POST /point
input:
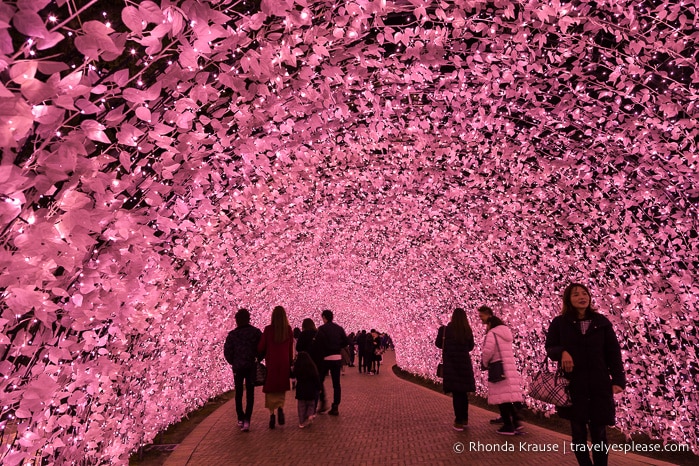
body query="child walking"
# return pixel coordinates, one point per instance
(307, 387)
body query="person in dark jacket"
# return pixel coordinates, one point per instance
(352, 342)
(329, 341)
(305, 339)
(240, 350)
(361, 341)
(307, 387)
(585, 345)
(369, 350)
(456, 342)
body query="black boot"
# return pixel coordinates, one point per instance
(271, 421)
(280, 415)
(333, 411)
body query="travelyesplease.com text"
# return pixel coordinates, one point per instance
(567, 447)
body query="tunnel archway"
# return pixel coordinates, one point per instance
(166, 163)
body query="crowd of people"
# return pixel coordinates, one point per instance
(580, 339)
(298, 359)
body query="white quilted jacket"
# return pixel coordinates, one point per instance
(510, 389)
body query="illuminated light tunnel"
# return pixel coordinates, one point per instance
(166, 163)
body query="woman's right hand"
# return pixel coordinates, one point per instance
(567, 361)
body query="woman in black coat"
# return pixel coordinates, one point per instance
(456, 342)
(584, 343)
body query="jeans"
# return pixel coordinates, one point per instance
(460, 401)
(244, 378)
(306, 408)
(334, 367)
(598, 435)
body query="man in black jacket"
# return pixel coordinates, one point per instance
(240, 350)
(330, 340)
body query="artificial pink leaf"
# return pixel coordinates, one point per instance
(51, 39)
(32, 5)
(16, 120)
(132, 19)
(23, 71)
(30, 24)
(36, 91)
(4, 92)
(95, 131)
(51, 67)
(150, 12)
(143, 114)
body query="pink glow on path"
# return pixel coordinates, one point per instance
(164, 164)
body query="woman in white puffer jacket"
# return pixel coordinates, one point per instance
(497, 346)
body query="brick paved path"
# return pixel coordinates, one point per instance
(383, 420)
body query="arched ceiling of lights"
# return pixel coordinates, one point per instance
(166, 163)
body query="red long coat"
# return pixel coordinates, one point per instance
(278, 358)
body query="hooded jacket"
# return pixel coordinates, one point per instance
(498, 346)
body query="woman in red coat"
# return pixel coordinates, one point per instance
(277, 345)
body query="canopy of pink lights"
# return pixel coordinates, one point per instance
(164, 164)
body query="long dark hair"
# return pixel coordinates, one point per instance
(568, 309)
(460, 327)
(280, 324)
(494, 321)
(308, 324)
(304, 367)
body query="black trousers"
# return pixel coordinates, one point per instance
(335, 369)
(598, 435)
(509, 415)
(460, 401)
(244, 379)
(368, 362)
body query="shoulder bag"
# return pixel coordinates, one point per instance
(260, 374)
(496, 369)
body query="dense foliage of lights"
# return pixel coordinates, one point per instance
(163, 164)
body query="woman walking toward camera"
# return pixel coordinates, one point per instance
(277, 345)
(456, 342)
(585, 345)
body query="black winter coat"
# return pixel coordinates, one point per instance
(306, 343)
(458, 369)
(597, 365)
(330, 339)
(240, 349)
(307, 386)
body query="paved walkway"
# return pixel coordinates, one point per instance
(383, 420)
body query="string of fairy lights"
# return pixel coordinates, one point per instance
(164, 164)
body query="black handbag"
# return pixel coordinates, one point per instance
(496, 369)
(551, 387)
(496, 372)
(260, 374)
